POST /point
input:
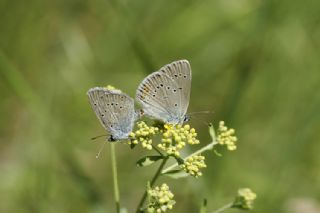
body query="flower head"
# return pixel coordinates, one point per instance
(176, 137)
(110, 87)
(226, 136)
(160, 199)
(244, 199)
(193, 164)
(143, 135)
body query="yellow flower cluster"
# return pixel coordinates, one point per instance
(110, 87)
(226, 136)
(176, 137)
(193, 164)
(245, 199)
(160, 199)
(143, 135)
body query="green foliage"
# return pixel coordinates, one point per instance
(148, 160)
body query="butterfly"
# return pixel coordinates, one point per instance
(164, 94)
(115, 111)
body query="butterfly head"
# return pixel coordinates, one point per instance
(186, 118)
(111, 138)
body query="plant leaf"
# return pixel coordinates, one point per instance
(148, 160)
(176, 174)
(212, 132)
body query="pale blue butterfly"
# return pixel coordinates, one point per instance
(115, 111)
(165, 94)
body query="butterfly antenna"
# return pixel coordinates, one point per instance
(98, 137)
(100, 150)
(201, 120)
(202, 112)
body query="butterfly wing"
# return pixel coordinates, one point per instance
(180, 72)
(165, 96)
(114, 109)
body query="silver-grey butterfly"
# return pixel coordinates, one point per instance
(115, 111)
(165, 94)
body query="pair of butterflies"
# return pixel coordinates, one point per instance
(164, 95)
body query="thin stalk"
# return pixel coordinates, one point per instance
(229, 205)
(154, 179)
(203, 149)
(157, 150)
(115, 177)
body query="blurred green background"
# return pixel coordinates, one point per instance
(255, 63)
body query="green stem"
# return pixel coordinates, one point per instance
(154, 179)
(115, 177)
(203, 149)
(157, 150)
(229, 205)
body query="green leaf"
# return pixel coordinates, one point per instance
(148, 160)
(212, 132)
(176, 174)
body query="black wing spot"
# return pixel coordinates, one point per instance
(174, 90)
(176, 75)
(158, 87)
(180, 74)
(95, 104)
(121, 107)
(180, 88)
(161, 85)
(108, 104)
(116, 104)
(111, 104)
(102, 115)
(105, 110)
(175, 104)
(185, 76)
(154, 95)
(168, 87)
(111, 125)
